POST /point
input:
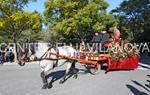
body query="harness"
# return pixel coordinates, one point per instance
(49, 57)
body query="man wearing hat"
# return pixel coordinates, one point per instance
(105, 37)
(96, 38)
(96, 41)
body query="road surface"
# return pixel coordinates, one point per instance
(16, 80)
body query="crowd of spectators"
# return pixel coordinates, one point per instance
(6, 53)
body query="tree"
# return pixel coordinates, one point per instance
(50, 35)
(30, 36)
(14, 21)
(77, 18)
(134, 15)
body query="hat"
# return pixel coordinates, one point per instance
(103, 32)
(96, 33)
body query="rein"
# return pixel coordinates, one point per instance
(41, 58)
(52, 59)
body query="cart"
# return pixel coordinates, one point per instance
(89, 59)
(94, 62)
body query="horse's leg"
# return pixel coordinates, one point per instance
(66, 73)
(74, 70)
(44, 74)
(44, 79)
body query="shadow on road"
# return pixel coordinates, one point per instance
(59, 74)
(144, 66)
(148, 85)
(55, 76)
(141, 85)
(136, 91)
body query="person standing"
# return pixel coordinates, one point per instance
(116, 34)
(105, 37)
(96, 38)
(96, 41)
(9, 54)
(1, 58)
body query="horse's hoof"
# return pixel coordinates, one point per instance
(75, 76)
(50, 86)
(44, 87)
(61, 81)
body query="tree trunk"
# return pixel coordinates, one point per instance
(15, 47)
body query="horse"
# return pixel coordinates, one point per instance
(48, 62)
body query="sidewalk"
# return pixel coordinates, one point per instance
(14, 63)
(9, 63)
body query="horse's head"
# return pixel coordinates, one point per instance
(23, 56)
(27, 54)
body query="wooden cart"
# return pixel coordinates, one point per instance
(94, 61)
(91, 60)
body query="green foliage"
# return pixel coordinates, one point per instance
(30, 35)
(14, 21)
(134, 15)
(77, 17)
(124, 50)
(51, 36)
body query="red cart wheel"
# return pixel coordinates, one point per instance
(94, 70)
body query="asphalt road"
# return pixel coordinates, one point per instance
(16, 80)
